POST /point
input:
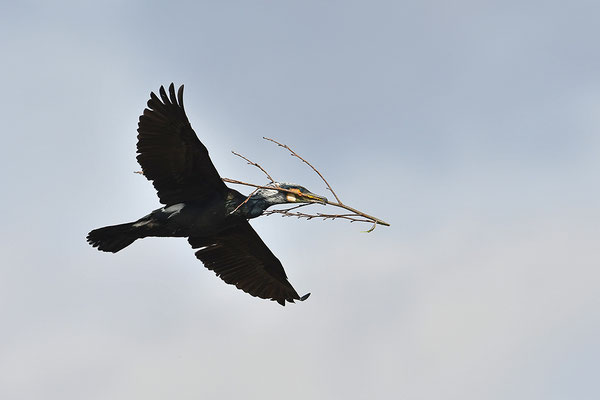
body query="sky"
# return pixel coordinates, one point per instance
(471, 127)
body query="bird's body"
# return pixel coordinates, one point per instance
(200, 218)
(199, 206)
(196, 218)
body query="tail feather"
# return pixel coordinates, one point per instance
(112, 238)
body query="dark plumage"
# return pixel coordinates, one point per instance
(199, 206)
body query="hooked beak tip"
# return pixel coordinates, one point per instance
(319, 199)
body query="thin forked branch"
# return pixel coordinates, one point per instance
(339, 202)
(286, 213)
(294, 154)
(245, 201)
(255, 190)
(256, 165)
(356, 216)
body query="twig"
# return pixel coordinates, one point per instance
(245, 201)
(255, 190)
(362, 214)
(293, 153)
(255, 164)
(286, 213)
(339, 202)
(258, 186)
(295, 207)
(369, 218)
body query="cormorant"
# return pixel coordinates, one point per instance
(199, 206)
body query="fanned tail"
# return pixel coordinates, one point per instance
(113, 238)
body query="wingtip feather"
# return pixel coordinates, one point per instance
(180, 96)
(306, 296)
(163, 95)
(172, 93)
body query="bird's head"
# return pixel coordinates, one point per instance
(293, 194)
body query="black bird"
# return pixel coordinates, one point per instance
(199, 206)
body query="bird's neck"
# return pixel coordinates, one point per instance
(238, 204)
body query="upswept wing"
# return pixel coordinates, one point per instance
(239, 257)
(170, 153)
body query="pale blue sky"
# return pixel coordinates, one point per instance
(472, 127)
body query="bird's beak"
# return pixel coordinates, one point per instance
(314, 198)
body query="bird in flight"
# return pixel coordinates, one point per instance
(199, 206)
